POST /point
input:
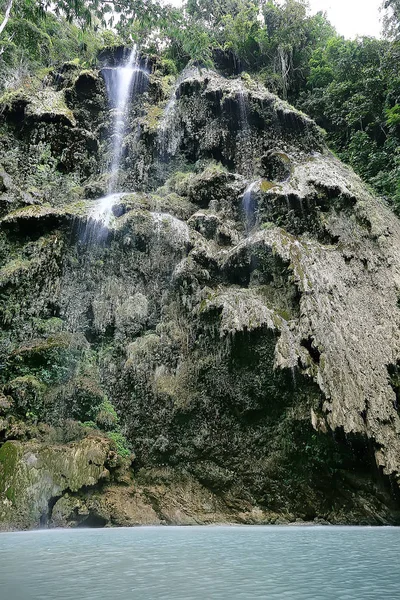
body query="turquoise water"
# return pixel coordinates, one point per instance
(193, 563)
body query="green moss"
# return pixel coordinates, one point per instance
(39, 102)
(178, 183)
(60, 341)
(80, 398)
(168, 66)
(268, 225)
(90, 425)
(49, 326)
(9, 98)
(153, 117)
(284, 157)
(166, 84)
(285, 314)
(80, 208)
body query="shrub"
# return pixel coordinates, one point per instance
(121, 443)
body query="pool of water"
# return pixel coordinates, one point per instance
(193, 563)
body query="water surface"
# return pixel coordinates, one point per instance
(201, 563)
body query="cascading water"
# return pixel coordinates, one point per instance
(120, 84)
(103, 209)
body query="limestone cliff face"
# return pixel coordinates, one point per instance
(235, 325)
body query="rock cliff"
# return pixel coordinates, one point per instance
(226, 347)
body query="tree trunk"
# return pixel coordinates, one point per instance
(6, 16)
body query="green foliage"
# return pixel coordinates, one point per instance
(89, 425)
(183, 39)
(213, 12)
(353, 93)
(107, 418)
(121, 443)
(28, 396)
(30, 44)
(51, 360)
(393, 116)
(241, 32)
(391, 18)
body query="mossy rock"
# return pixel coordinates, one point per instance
(79, 398)
(276, 166)
(40, 105)
(153, 117)
(28, 396)
(214, 183)
(266, 185)
(6, 405)
(61, 341)
(33, 474)
(9, 455)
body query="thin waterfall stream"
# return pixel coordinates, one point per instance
(249, 204)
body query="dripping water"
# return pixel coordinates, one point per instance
(102, 211)
(168, 136)
(243, 112)
(167, 143)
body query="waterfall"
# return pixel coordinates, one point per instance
(249, 204)
(120, 83)
(102, 212)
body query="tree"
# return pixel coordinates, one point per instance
(213, 12)
(6, 15)
(391, 18)
(288, 40)
(82, 11)
(353, 92)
